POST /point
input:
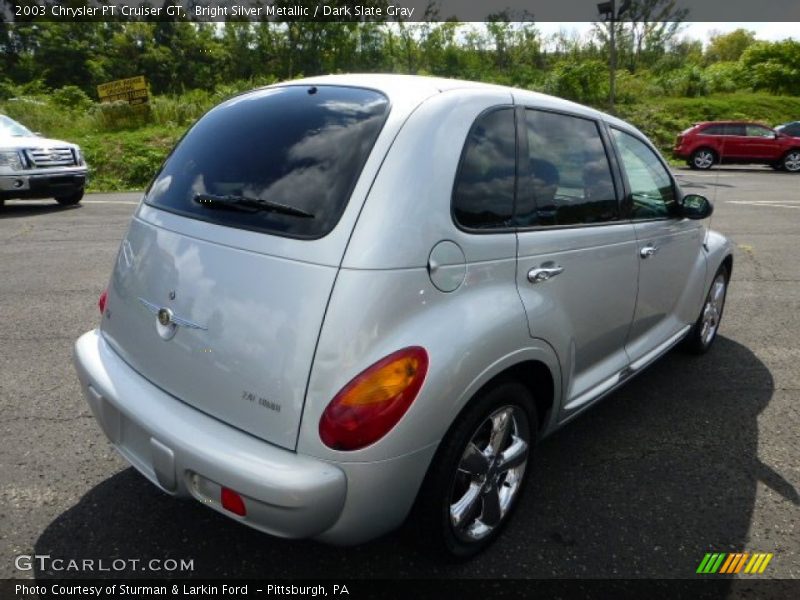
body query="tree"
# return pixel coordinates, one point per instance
(774, 66)
(653, 25)
(729, 47)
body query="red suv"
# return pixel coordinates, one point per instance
(737, 142)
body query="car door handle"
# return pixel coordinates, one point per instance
(648, 251)
(543, 273)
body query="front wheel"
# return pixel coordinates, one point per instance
(479, 472)
(791, 162)
(702, 159)
(704, 331)
(70, 199)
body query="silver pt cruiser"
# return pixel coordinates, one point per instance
(347, 297)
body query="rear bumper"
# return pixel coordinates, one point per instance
(680, 152)
(187, 453)
(42, 185)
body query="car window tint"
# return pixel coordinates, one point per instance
(758, 131)
(483, 193)
(652, 192)
(300, 146)
(568, 179)
(733, 129)
(9, 127)
(713, 130)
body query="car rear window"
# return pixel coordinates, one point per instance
(300, 147)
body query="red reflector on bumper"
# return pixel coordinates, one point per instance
(232, 501)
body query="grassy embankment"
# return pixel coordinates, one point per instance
(125, 146)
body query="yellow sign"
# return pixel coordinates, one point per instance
(132, 90)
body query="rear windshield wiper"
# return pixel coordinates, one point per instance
(249, 204)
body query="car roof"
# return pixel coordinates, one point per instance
(394, 86)
(732, 123)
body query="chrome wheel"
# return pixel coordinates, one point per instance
(490, 474)
(703, 159)
(712, 311)
(792, 162)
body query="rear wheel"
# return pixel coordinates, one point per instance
(703, 159)
(791, 162)
(704, 331)
(479, 472)
(70, 199)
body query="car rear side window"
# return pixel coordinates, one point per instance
(713, 130)
(568, 179)
(283, 160)
(483, 194)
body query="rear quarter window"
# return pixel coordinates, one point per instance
(302, 147)
(483, 192)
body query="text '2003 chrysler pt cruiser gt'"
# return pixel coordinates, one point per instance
(345, 297)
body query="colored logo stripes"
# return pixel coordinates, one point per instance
(725, 563)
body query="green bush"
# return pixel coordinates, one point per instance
(689, 82)
(126, 159)
(585, 81)
(725, 77)
(35, 113)
(7, 89)
(635, 88)
(119, 115)
(72, 98)
(181, 110)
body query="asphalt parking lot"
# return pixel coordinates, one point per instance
(696, 455)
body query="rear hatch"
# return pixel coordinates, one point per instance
(221, 284)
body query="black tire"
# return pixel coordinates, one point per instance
(703, 159)
(777, 166)
(70, 199)
(445, 482)
(698, 340)
(791, 161)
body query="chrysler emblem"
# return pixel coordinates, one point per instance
(167, 322)
(164, 316)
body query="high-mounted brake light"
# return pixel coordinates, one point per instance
(101, 302)
(372, 403)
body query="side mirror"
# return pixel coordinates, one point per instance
(695, 206)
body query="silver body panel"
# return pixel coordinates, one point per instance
(296, 320)
(297, 496)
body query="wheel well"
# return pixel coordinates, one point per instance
(709, 148)
(535, 376)
(728, 264)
